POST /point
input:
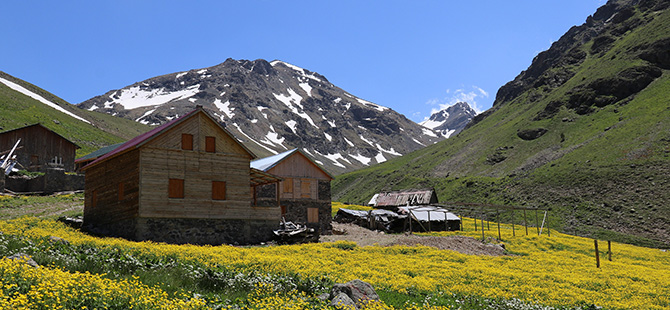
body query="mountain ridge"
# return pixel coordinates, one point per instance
(586, 136)
(272, 107)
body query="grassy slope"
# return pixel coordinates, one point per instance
(605, 178)
(19, 110)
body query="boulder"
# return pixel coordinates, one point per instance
(24, 258)
(531, 134)
(358, 291)
(343, 301)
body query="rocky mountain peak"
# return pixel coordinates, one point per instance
(451, 120)
(272, 107)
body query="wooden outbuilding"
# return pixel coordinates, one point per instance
(304, 192)
(187, 181)
(413, 197)
(40, 149)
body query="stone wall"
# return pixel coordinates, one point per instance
(296, 209)
(121, 229)
(54, 180)
(205, 231)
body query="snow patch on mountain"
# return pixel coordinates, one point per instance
(39, 98)
(291, 124)
(306, 88)
(428, 132)
(293, 100)
(224, 107)
(135, 97)
(362, 159)
(380, 158)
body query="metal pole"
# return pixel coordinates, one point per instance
(428, 221)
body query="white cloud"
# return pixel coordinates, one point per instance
(459, 95)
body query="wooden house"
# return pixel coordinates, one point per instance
(40, 148)
(187, 181)
(304, 192)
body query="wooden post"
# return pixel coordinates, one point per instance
(475, 217)
(525, 222)
(498, 219)
(409, 217)
(429, 221)
(609, 250)
(595, 243)
(513, 231)
(537, 223)
(483, 227)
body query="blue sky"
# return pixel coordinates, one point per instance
(411, 56)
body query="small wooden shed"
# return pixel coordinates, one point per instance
(304, 192)
(40, 148)
(187, 181)
(412, 197)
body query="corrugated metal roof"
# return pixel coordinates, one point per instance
(404, 198)
(422, 213)
(101, 151)
(266, 163)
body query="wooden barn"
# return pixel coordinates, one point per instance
(40, 148)
(304, 192)
(187, 181)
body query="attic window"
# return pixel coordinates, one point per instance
(176, 188)
(186, 141)
(210, 144)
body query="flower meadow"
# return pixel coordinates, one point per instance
(539, 272)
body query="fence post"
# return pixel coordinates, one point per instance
(525, 222)
(595, 243)
(428, 221)
(513, 230)
(609, 250)
(483, 227)
(498, 219)
(537, 223)
(475, 218)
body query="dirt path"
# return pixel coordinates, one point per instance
(366, 237)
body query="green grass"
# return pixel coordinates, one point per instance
(20, 110)
(588, 171)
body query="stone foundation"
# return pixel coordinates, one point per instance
(205, 231)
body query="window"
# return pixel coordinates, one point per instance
(288, 185)
(312, 215)
(186, 141)
(210, 144)
(218, 190)
(120, 191)
(94, 198)
(305, 188)
(176, 188)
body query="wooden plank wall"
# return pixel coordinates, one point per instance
(104, 179)
(40, 142)
(162, 159)
(298, 166)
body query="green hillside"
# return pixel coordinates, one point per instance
(602, 164)
(19, 110)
